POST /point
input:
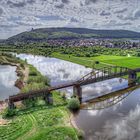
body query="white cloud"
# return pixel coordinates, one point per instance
(21, 15)
(126, 128)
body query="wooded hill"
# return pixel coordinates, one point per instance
(43, 34)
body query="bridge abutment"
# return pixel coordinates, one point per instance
(132, 77)
(77, 91)
(11, 105)
(48, 98)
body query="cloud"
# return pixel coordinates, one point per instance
(121, 11)
(116, 23)
(16, 4)
(60, 6)
(74, 20)
(104, 13)
(24, 14)
(90, 1)
(65, 1)
(1, 11)
(31, 1)
(126, 128)
(137, 14)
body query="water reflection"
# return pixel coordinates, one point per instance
(7, 80)
(124, 128)
(118, 122)
(108, 123)
(106, 100)
(60, 72)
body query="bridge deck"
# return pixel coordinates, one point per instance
(87, 79)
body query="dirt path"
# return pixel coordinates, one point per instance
(3, 122)
(26, 74)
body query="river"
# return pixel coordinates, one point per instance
(8, 77)
(117, 121)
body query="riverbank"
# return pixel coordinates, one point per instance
(104, 60)
(8, 59)
(37, 117)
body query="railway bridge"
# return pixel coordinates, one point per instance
(94, 76)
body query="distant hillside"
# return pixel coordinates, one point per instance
(43, 34)
(2, 40)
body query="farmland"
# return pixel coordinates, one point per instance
(124, 61)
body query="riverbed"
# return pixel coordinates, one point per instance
(118, 121)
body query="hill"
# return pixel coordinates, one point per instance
(44, 34)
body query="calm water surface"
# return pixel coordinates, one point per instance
(118, 121)
(60, 72)
(7, 80)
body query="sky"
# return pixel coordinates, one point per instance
(17, 16)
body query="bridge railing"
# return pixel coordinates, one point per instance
(92, 77)
(104, 73)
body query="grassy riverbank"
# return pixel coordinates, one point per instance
(104, 61)
(28, 76)
(41, 121)
(124, 61)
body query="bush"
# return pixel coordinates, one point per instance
(9, 113)
(33, 73)
(22, 65)
(74, 104)
(81, 135)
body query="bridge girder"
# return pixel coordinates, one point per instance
(92, 77)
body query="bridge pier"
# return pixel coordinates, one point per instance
(11, 105)
(48, 98)
(77, 91)
(132, 78)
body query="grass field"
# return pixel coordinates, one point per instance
(130, 62)
(40, 123)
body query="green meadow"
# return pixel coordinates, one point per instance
(124, 61)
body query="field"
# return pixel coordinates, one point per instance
(124, 61)
(40, 123)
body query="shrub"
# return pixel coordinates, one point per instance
(22, 65)
(33, 73)
(81, 135)
(74, 104)
(9, 113)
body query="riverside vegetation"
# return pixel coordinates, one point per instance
(82, 55)
(34, 120)
(51, 122)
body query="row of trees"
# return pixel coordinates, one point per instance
(45, 50)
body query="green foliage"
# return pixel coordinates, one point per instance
(35, 80)
(16, 127)
(22, 65)
(81, 135)
(138, 80)
(92, 51)
(40, 123)
(9, 113)
(73, 104)
(42, 35)
(57, 133)
(32, 72)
